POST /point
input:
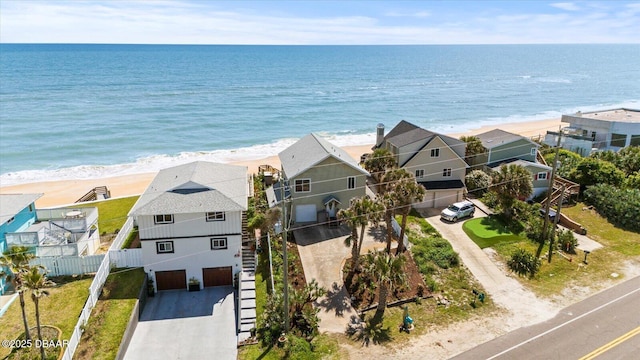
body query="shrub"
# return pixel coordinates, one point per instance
(490, 199)
(477, 182)
(567, 242)
(592, 171)
(523, 262)
(619, 206)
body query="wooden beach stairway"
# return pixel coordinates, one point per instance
(97, 193)
(247, 294)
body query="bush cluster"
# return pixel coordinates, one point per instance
(436, 250)
(619, 206)
(524, 263)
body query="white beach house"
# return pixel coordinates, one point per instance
(190, 222)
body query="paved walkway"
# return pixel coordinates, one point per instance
(504, 289)
(322, 252)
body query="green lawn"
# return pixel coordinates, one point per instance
(112, 213)
(562, 275)
(61, 309)
(489, 231)
(111, 314)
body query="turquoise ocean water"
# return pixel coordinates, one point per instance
(88, 111)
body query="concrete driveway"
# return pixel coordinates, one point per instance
(179, 324)
(505, 290)
(322, 252)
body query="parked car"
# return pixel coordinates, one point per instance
(458, 211)
(552, 214)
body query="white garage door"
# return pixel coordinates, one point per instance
(306, 213)
(445, 198)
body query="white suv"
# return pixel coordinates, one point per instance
(458, 210)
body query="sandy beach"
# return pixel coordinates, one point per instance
(57, 193)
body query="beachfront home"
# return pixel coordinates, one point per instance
(191, 224)
(49, 232)
(504, 146)
(18, 213)
(598, 130)
(541, 174)
(435, 159)
(319, 179)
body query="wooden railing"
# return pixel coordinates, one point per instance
(97, 193)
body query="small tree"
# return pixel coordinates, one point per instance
(379, 162)
(474, 148)
(16, 259)
(511, 182)
(407, 191)
(566, 241)
(388, 271)
(477, 182)
(523, 262)
(390, 200)
(36, 281)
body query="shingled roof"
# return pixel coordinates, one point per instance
(310, 151)
(195, 187)
(497, 137)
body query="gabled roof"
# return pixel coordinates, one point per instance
(310, 151)
(523, 163)
(195, 187)
(462, 143)
(12, 204)
(497, 137)
(406, 133)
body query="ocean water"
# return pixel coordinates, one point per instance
(90, 111)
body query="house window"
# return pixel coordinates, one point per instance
(542, 176)
(419, 174)
(164, 247)
(618, 140)
(163, 219)
(215, 216)
(303, 185)
(218, 243)
(635, 140)
(593, 136)
(435, 152)
(30, 207)
(533, 151)
(446, 172)
(351, 182)
(11, 220)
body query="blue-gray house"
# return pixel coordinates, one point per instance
(17, 213)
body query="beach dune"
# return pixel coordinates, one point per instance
(58, 193)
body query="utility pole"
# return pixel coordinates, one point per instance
(549, 193)
(555, 222)
(285, 230)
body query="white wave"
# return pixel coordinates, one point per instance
(154, 163)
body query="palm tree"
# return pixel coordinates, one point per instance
(379, 162)
(474, 148)
(510, 183)
(361, 211)
(387, 270)
(390, 199)
(407, 191)
(16, 259)
(36, 281)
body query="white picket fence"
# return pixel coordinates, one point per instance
(115, 257)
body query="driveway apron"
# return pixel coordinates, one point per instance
(179, 324)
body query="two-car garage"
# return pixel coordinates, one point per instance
(177, 279)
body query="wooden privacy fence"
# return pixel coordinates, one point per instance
(116, 257)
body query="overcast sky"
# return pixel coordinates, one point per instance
(319, 22)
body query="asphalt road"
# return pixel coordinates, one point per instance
(604, 326)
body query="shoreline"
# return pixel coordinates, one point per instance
(65, 192)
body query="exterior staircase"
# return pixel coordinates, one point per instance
(570, 188)
(247, 294)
